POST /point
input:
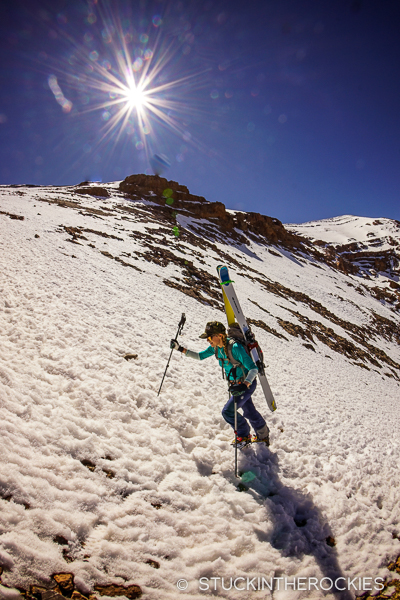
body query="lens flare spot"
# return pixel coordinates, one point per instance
(248, 476)
(65, 104)
(106, 115)
(94, 56)
(144, 38)
(106, 36)
(214, 94)
(139, 145)
(157, 20)
(137, 65)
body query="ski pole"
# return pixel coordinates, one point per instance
(180, 327)
(236, 454)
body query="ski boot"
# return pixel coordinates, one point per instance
(257, 440)
(241, 442)
(261, 437)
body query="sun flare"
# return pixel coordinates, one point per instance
(135, 97)
(138, 85)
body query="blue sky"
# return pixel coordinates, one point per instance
(286, 108)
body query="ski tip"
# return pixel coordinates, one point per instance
(224, 275)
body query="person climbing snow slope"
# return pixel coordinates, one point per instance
(241, 373)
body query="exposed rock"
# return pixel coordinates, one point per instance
(88, 463)
(61, 540)
(130, 591)
(76, 233)
(177, 197)
(39, 592)
(339, 344)
(94, 191)
(122, 262)
(66, 556)
(12, 216)
(77, 596)
(110, 474)
(153, 563)
(265, 327)
(65, 583)
(390, 591)
(395, 565)
(331, 541)
(51, 595)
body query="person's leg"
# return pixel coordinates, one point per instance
(228, 412)
(250, 412)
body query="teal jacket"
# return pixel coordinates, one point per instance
(248, 371)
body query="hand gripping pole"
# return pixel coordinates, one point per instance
(180, 327)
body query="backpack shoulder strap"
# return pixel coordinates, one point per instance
(231, 358)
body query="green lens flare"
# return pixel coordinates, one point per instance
(248, 476)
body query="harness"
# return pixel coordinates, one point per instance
(236, 364)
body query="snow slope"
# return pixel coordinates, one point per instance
(160, 486)
(368, 232)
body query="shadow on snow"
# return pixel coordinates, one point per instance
(299, 526)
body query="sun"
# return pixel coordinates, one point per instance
(135, 97)
(138, 86)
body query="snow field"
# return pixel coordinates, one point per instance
(67, 394)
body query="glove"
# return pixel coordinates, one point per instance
(174, 345)
(238, 389)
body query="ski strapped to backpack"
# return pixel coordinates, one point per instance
(235, 335)
(237, 319)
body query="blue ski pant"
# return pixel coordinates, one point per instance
(249, 412)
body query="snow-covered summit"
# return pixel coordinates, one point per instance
(347, 229)
(105, 480)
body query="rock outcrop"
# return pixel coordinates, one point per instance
(176, 197)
